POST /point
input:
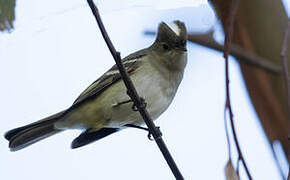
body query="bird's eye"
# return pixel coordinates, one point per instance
(165, 46)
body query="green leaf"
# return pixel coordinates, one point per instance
(7, 14)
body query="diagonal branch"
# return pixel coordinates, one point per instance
(243, 56)
(131, 90)
(227, 44)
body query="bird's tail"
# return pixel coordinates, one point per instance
(24, 136)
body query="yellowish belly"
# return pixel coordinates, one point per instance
(102, 112)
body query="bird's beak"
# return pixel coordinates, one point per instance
(182, 49)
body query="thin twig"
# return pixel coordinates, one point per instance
(227, 135)
(242, 55)
(135, 97)
(227, 44)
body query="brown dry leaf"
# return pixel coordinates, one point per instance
(263, 38)
(230, 172)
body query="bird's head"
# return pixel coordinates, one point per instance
(170, 44)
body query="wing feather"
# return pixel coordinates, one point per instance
(131, 63)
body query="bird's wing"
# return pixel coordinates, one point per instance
(131, 63)
(90, 136)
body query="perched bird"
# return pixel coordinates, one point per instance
(104, 107)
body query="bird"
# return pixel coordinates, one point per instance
(104, 107)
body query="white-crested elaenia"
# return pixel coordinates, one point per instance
(104, 107)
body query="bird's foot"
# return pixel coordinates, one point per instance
(142, 105)
(145, 129)
(150, 134)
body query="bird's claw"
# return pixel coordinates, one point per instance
(150, 134)
(142, 105)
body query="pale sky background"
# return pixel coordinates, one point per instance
(56, 51)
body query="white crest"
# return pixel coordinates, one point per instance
(175, 28)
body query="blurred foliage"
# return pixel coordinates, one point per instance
(260, 32)
(7, 14)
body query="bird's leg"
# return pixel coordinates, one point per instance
(120, 103)
(139, 127)
(134, 107)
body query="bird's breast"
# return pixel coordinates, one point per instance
(158, 89)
